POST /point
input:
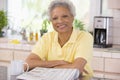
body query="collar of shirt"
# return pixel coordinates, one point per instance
(72, 39)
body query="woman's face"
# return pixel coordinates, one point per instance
(61, 19)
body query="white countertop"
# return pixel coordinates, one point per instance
(16, 46)
(23, 45)
(107, 52)
(97, 52)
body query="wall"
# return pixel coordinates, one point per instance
(116, 25)
(3, 5)
(94, 11)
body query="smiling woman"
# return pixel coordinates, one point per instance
(65, 47)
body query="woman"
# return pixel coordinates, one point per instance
(65, 47)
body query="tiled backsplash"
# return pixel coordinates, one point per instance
(116, 27)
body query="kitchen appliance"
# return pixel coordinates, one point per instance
(103, 31)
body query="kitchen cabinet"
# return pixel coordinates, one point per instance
(5, 57)
(13, 52)
(21, 54)
(111, 69)
(98, 64)
(106, 64)
(112, 65)
(113, 76)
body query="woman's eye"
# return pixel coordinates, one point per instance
(65, 16)
(54, 18)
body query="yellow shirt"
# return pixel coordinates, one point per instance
(80, 44)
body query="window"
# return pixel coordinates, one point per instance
(29, 14)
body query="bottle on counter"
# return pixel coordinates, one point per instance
(23, 33)
(36, 36)
(31, 36)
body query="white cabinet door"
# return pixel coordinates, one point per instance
(5, 57)
(112, 65)
(113, 76)
(21, 55)
(98, 64)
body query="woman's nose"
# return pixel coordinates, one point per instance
(60, 20)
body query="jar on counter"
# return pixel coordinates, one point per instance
(36, 36)
(31, 36)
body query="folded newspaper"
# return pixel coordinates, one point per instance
(39, 73)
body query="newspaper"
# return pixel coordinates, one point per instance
(39, 73)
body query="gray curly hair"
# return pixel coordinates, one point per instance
(65, 3)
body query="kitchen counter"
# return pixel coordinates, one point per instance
(104, 59)
(24, 45)
(16, 46)
(114, 48)
(6, 43)
(107, 52)
(98, 52)
(108, 49)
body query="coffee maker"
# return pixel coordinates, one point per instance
(103, 31)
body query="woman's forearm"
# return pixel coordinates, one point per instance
(34, 61)
(79, 64)
(65, 66)
(48, 64)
